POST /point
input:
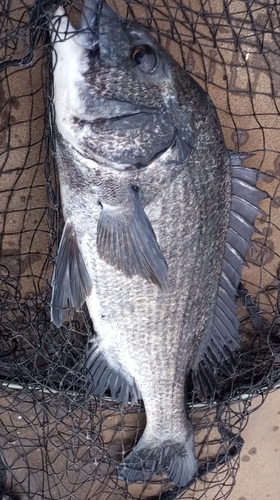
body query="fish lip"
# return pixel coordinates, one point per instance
(91, 13)
(91, 20)
(87, 35)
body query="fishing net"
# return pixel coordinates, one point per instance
(56, 441)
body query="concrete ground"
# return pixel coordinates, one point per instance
(258, 476)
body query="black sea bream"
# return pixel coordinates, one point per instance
(158, 220)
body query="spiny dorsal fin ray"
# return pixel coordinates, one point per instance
(71, 283)
(239, 224)
(221, 338)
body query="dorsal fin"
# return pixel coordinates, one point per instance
(221, 338)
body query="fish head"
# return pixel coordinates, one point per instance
(116, 91)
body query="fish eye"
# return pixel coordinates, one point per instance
(145, 58)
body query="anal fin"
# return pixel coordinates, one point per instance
(71, 283)
(102, 376)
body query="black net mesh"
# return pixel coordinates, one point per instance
(56, 442)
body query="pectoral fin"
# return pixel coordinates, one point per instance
(126, 241)
(71, 283)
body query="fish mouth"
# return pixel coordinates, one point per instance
(91, 13)
(90, 21)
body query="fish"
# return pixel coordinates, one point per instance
(159, 217)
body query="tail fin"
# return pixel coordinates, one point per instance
(177, 460)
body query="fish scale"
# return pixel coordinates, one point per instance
(158, 220)
(160, 314)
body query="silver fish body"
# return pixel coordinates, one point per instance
(151, 227)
